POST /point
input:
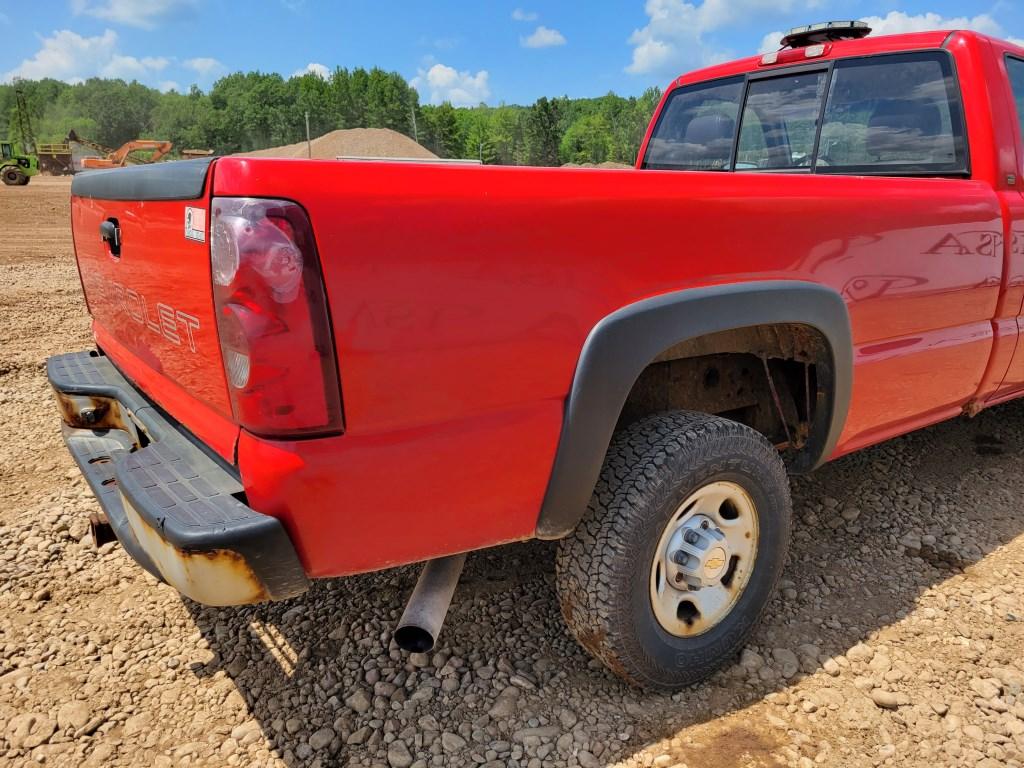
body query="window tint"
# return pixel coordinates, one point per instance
(780, 120)
(897, 114)
(696, 128)
(1015, 67)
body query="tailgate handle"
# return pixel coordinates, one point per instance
(110, 233)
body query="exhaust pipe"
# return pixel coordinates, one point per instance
(101, 530)
(424, 614)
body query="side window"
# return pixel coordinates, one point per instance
(1015, 68)
(780, 121)
(696, 128)
(752, 145)
(895, 114)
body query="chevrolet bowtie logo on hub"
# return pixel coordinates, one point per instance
(714, 563)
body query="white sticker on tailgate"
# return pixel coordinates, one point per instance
(195, 224)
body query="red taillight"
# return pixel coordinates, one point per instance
(275, 336)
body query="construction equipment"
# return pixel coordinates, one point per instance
(55, 159)
(17, 168)
(119, 157)
(28, 136)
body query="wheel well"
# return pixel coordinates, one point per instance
(776, 379)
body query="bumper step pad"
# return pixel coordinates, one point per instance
(180, 513)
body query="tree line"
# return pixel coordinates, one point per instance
(255, 110)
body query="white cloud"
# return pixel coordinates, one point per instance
(204, 66)
(898, 22)
(313, 68)
(770, 42)
(674, 37)
(168, 85)
(68, 56)
(131, 68)
(442, 83)
(135, 13)
(520, 15)
(543, 37)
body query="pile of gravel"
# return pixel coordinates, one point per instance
(357, 142)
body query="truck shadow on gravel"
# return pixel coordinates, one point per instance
(872, 532)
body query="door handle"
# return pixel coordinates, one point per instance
(110, 233)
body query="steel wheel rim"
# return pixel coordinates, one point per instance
(716, 531)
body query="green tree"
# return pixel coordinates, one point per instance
(588, 140)
(121, 111)
(478, 143)
(311, 94)
(442, 130)
(543, 132)
(185, 119)
(252, 110)
(507, 129)
(389, 101)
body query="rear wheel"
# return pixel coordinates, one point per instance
(13, 177)
(680, 549)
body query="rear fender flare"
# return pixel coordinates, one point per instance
(625, 342)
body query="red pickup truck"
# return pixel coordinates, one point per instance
(307, 369)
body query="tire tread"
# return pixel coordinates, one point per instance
(646, 464)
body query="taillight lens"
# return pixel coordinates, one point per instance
(275, 336)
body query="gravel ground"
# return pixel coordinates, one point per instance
(896, 639)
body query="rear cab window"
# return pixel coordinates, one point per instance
(779, 124)
(1015, 70)
(889, 114)
(696, 128)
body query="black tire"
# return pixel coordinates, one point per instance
(24, 181)
(13, 177)
(604, 566)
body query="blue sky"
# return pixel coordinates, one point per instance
(460, 50)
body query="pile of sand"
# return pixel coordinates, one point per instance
(605, 164)
(357, 142)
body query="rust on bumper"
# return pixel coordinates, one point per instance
(211, 576)
(178, 512)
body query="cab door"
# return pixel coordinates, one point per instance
(1009, 322)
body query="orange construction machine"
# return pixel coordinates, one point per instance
(119, 157)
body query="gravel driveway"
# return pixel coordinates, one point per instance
(896, 639)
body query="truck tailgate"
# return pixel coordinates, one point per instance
(142, 244)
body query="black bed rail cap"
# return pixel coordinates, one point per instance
(173, 180)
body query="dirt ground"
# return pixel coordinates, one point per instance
(897, 637)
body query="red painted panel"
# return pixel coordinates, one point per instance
(212, 427)
(459, 294)
(360, 503)
(153, 305)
